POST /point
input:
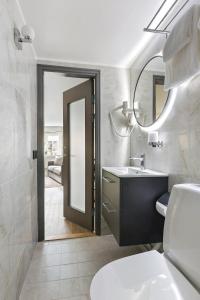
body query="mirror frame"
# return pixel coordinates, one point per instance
(137, 82)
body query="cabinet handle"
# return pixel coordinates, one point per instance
(105, 205)
(108, 180)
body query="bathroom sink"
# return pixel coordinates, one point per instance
(133, 172)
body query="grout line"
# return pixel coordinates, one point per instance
(61, 279)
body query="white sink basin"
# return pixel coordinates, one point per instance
(133, 172)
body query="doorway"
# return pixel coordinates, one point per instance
(68, 153)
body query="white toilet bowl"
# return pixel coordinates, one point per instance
(174, 275)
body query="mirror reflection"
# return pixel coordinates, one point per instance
(149, 95)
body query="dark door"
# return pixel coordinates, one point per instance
(78, 160)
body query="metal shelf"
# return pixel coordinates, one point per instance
(173, 8)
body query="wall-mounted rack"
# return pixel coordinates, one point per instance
(162, 14)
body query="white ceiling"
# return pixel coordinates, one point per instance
(104, 32)
(54, 86)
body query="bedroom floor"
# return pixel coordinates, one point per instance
(64, 269)
(50, 183)
(56, 226)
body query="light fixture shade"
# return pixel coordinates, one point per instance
(28, 32)
(152, 137)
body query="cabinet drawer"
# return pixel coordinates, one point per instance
(110, 213)
(110, 186)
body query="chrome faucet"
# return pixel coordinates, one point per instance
(141, 159)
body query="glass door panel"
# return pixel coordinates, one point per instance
(77, 154)
(78, 158)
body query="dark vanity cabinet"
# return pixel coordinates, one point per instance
(129, 208)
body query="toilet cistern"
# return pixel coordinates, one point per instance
(141, 159)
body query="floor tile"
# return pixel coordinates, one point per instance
(63, 270)
(37, 275)
(88, 255)
(81, 297)
(47, 260)
(44, 291)
(68, 248)
(69, 271)
(69, 288)
(48, 249)
(69, 258)
(89, 268)
(85, 283)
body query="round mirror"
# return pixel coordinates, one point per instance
(150, 97)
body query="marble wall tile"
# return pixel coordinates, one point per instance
(18, 189)
(180, 133)
(115, 87)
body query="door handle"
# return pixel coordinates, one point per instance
(108, 180)
(105, 205)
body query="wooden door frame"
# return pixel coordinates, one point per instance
(77, 73)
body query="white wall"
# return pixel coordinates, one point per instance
(18, 189)
(180, 132)
(115, 87)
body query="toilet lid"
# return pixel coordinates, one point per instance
(145, 276)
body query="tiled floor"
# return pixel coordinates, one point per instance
(56, 226)
(64, 269)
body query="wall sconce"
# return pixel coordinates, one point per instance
(153, 139)
(126, 128)
(128, 113)
(125, 108)
(26, 36)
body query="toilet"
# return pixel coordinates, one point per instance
(174, 275)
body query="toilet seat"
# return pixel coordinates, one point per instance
(145, 276)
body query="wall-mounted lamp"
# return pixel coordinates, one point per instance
(26, 36)
(125, 128)
(153, 139)
(128, 113)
